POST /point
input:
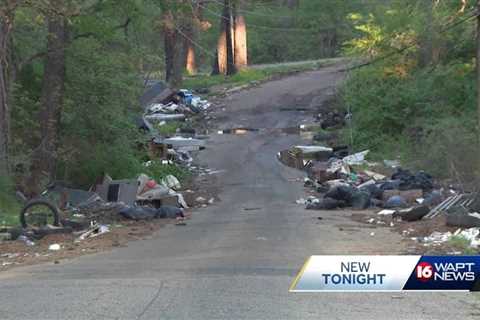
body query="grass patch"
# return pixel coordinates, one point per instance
(461, 244)
(9, 206)
(252, 74)
(169, 128)
(158, 171)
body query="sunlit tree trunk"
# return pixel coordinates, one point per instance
(191, 31)
(241, 53)
(191, 63)
(220, 65)
(174, 56)
(53, 88)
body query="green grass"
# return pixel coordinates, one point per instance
(250, 75)
(9, 208)
(462, 244)
(158, 171)
(169, 128)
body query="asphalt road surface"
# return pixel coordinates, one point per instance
(236, 258)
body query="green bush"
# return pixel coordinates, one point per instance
(422, 118)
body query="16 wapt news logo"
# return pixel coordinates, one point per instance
(418, 273)
(450, 271)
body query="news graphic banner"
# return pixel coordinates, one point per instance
(388, 273)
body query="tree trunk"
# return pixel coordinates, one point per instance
(241, 53)
(192, 34)
(227, 14)
(174, 56)
(220, 65)
(191, 63)
(6, 21)
(169, 37)
(53, 88)
(426, 49)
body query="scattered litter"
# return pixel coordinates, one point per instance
(54, 247)
(356, 159)
(27, 241)
(386, 212)
(94, 231)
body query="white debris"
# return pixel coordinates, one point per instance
(374, 175)
(54, 247)
(301, 201)
(386, 212)
(356, 159)
(469, 234)
(171, 182)
(437, 237)
(313, 149)
(392, 163)
(200, 200)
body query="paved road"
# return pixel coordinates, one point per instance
(228, 262)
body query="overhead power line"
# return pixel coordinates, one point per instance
(253, 13)
(250, 25)
(196, 44)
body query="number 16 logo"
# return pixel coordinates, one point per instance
(424, 271)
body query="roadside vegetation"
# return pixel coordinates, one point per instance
(417, 100)
(74, 72)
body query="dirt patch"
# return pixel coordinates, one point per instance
(17, 253)
(413, 232)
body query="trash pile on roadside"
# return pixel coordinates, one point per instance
(345, 180)
(164, 106)
(90, 214)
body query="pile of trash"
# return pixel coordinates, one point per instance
(470, 236)
(175, 107)
(88, 214)
(167, 106)
(331, 172)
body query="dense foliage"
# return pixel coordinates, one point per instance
(419, 103)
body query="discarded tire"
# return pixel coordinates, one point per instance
(39, 203)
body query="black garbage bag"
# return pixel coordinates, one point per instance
(138, 213)
(390, 185)
(147, 213)
(374, 190)
(169, 212)
(409, 181)
(361, 200)
(325, 204)
(342, 193)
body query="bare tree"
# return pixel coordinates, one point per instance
(7, 14)
(51, 100)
